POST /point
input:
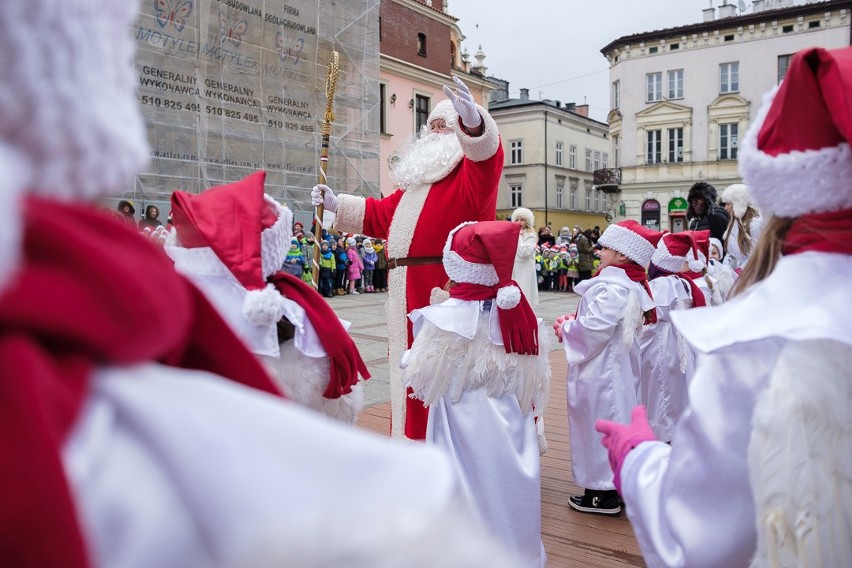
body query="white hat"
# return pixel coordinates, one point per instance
(738, 196)
(631, 239)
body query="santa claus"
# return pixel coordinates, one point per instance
(136, 429)
(449, 175)
(230, 241)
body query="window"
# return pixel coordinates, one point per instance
(380, 28)
(515, 191)
(572, 157)
(596, 200)
(616, 94)
(783, 64)
(422, 107)
(572, 193)
(604, 160)
(421, 44)
(516, 156)
(655, 87)
(788, 29)
(616, 147)
(813, 24)
(729, 77)
(383, 108)
(676, 84)
(559, 191)
(589, 160)
(674, 46)
(559, 153)
(654, 49)
(588, 197)
(653, 155)
(728, 141)
(597, 162)
(675, 144)
(729, 37)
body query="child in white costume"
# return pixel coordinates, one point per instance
(668, 362)
(723, 275)
(137, 431)
(477, 362)
(602, 348)
(760, 472)
(230, 241)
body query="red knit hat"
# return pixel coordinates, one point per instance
(247, 230)
(692, 247)
(483, 253)
(631, 239)
(796, 158)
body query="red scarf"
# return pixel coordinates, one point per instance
(89, 292)
(821, 232)
(638, 274)
(518, 325)
(346, 362)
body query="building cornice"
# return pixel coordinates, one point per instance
(404, 69)
(428, 11)
(540, 107)
(727, 23)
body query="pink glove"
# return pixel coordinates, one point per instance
(619, 439)
(559, 323)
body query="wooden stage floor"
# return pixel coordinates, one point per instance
(570, 538)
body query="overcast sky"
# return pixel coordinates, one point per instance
(552, 47)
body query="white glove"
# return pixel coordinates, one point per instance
(322, 195)
(464, 104)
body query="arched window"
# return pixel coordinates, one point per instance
(421, 44)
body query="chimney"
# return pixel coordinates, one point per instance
(757, 6)
(582, 110)
(709, 14)
(525, 94)
(727, 10)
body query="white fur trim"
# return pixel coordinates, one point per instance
(445, 110)
(696, 264)
(69, 104)
(796, 183)
(307, 386)
(199, 261)
(13, 182)
(739, 198)
(275, 240)
(401, 230)
(630, 244)
(508, 297)
(480, 148)
(526, 214)
(350, 214)
(663, 258)
(263, 307)
(460, 270)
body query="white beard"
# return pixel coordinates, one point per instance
(426, 159)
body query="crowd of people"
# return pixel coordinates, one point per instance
(198, 412)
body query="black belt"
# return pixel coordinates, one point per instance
(414, 261)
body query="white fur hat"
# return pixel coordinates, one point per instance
(526, 214)
(738, 196)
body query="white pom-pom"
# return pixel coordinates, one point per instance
(695, 264)
(263, 307)
(438, 295)
(508, 297)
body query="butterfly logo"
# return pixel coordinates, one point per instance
(232, 32)
(174, 11)
(292, 50)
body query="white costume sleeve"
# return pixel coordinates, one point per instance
(691, 504)
(601, 309)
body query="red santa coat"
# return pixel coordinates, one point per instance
(415, 222)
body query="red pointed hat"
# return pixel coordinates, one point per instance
(248, 231)
(631, 239)
(796, 158)
(692, 247)
(480, 256)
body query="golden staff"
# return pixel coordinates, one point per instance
(330, 85)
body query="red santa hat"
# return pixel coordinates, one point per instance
(249, 233)
(796, 158)
(479, 252)
(691, 247)
(631, 239)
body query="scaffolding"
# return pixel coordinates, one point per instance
(229, 87)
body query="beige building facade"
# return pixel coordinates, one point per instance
(682, 98)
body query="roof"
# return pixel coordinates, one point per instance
(566, 108)
(735, 21)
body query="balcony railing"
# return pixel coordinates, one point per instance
(607, 180)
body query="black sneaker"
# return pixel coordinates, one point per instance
(593, 501)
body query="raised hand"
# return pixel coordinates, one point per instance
(464, 104)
